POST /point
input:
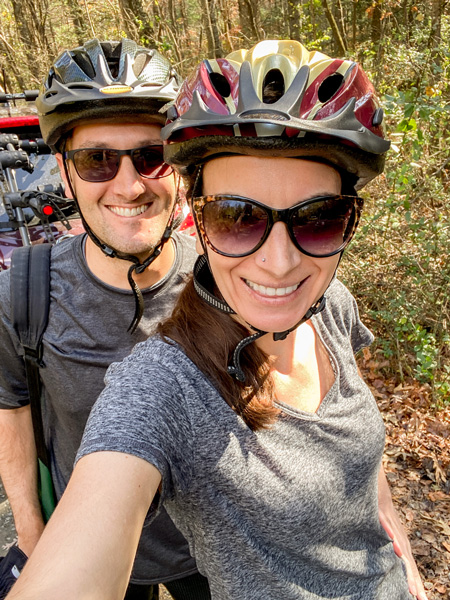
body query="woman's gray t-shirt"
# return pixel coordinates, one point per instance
(289, 512)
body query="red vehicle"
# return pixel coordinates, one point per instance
(33, 208)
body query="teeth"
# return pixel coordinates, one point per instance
(122, 211)
(270, 291)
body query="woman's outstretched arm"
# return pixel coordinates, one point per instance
(88, 547)
(392, 525)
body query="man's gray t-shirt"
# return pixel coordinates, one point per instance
(289, 512)
(87, 331)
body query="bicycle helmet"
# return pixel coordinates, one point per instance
(108, 80)
(325, 108)
(104, 80)
(276, 99)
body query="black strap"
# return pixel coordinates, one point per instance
(30, 303)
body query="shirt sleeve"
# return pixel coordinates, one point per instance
(13, 383)
(142, 412)
(361, 336)
(346, 316)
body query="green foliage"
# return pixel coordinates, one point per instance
(399, 266)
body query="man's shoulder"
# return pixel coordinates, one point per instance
(66, 249)
(62, 252)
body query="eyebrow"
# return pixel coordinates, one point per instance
(102, 144)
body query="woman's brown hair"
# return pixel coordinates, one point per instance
(209, 337)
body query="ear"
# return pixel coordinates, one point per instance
(62, 170)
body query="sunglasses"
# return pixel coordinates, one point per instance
(102, 164)
(235, 226)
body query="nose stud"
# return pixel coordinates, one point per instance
(263, 260)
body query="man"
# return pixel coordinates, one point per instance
(99, 110)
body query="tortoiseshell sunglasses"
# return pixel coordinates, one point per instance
(236, 226)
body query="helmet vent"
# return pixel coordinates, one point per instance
(220, 84)
(140, 63)
(273, 86)
(84, 62)
(80, 86)
(329, 87)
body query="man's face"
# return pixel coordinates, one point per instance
(129, 212)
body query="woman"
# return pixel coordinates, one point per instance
(246, 415)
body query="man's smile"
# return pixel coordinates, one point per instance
(124, 211)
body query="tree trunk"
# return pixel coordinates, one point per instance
(212, 30)
(294, 7)
(26, 35)
(174, 18)
(339, 41)
(376, 33)
(435, 39)
(354, 24)
(185, 22)
(312, 14)
(226, 16)
(81, 29)
(341, 20)
(249, 18)
(9, 53)
(136, 22)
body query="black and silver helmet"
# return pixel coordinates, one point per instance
(104, 80)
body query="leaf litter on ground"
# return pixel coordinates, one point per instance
(417, 464)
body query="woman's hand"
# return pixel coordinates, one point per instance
(391, 523)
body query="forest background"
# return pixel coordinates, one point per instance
(398, 266)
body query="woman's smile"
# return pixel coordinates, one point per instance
(266, 290)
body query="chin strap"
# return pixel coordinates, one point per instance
(137, 266)
(203, 284)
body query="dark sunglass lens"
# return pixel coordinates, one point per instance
(322, 228)
(96, 164)
(234, 227)
(149, 162)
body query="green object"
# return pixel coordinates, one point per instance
(46, 491)
(30, 302)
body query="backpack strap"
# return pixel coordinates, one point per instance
(30, 303)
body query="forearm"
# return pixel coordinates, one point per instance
(89, 544)
(393, 526)
(18, 470)
(388, 515)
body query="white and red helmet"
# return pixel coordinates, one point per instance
(324, 108)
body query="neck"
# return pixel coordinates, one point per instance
(302, 372)
(283, 351)
(114, 271)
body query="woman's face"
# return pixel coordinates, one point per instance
(272, 288)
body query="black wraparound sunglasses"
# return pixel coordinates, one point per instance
(102, 164)
(235, 226)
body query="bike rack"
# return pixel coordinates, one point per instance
(46, 200)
